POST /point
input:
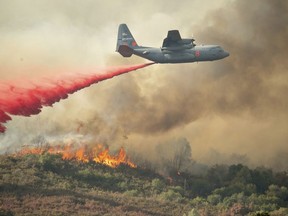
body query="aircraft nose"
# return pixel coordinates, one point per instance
(226, 54)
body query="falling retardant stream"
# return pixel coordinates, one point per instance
(27, 98)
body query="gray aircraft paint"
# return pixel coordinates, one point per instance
(174, 49)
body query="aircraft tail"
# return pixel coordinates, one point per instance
(125, 42)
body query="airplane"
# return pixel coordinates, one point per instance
(174, 49)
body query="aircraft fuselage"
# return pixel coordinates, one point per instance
(196, 54)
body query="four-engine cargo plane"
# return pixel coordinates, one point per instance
(174, 49)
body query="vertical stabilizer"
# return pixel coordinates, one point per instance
(125, 41)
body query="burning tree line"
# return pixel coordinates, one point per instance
(172, 157)
(97, 153)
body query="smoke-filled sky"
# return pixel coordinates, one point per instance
(233, 110)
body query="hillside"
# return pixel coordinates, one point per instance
(46, 184)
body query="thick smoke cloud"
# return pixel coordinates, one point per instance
(238, 105)
(243, 100)
(234, 106)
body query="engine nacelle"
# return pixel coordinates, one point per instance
(187, 41)
(178, 48)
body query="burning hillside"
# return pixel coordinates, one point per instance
(85, 154)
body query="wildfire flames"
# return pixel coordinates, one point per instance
(98, 154)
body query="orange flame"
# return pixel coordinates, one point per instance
(98, 154)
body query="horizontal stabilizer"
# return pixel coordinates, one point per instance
(125, 50)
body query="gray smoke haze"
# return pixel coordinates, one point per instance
(234, 110)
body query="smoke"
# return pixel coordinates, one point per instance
(236, 106)
(248, 93)
(27, 98)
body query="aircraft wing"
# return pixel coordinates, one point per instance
(174, 42)
(172, 38)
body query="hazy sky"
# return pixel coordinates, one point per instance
(234, 106)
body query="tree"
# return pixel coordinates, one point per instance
(243, 175)
(262, 178)
(280, 192)
(199, 187)
(233, 170)
(217, 175)
(175, 155)
(281, 178)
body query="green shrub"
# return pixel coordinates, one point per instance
(6, 212)
(280, 212)
(51, 162)
(178, 189)
(171, 195)
(87, 175)
(214, 199)
(259, 213)
(123, 185)
(193, 212)
(198, 202)
(157, 185)
(131, 193)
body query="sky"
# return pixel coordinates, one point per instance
(230, 111)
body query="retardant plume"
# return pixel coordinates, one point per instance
(26, 98)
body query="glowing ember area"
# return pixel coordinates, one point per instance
(98, 154)
(26, 98)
